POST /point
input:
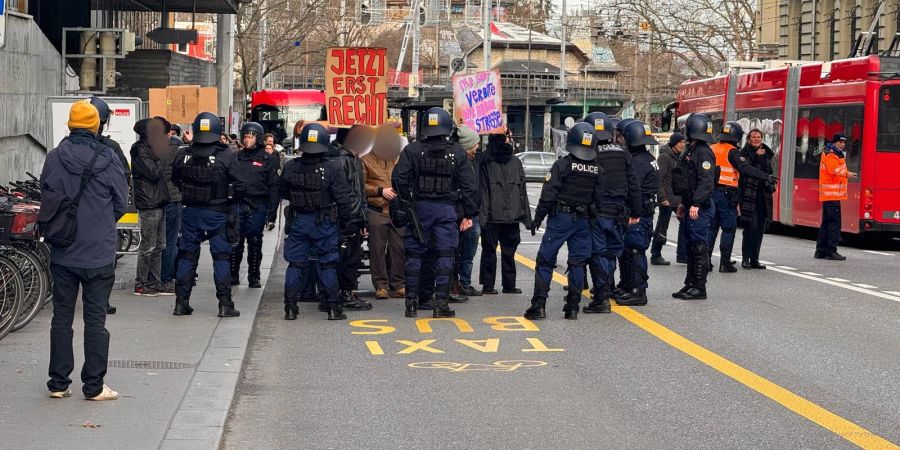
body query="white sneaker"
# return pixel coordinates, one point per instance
(106, 394)
(61, 394)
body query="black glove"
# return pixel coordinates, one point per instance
(535, 224)
(773, 180)
(270, 226)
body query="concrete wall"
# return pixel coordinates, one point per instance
(19, 154)
(29, 73)
(145, 69)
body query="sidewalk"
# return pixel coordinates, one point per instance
(176, 376)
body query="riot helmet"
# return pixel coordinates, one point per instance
(638, 134)
(601, 124)
(102, 108)
(582, 141)
(732, 132)
(314, 139)
(254, 129)
(207, 129)
(698, 127)
(437, 123)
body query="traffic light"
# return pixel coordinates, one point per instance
(365, 12)
(421, 14)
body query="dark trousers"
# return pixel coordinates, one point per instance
(173, 227)
(754, 228)
(386, 253)
(661, 231)
(351, 255)
(96, 285)
(830, 230)
(438, 223)
(507, 235)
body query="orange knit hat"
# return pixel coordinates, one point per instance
(85, 116)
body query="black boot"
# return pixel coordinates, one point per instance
(336, 312)
(411, 305)
(110, 309)
(537, 311)
(688, 278)
(426, 304)
(726, 265)
(254, 260)
(290, 311)
(699, 271)
(182, 307)
(226, 309)
(638, 297)
(441, 309)
(659, 261)
(598, 306)
(353, 303)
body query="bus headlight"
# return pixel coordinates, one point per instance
(867, 215)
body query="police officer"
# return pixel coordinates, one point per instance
(435, 174)
(572, 186)
(203, 172)
(694, 179)
(320, 202)
(725, 195)
(633, 271)
(619, 202)
(103, 109)
(258, 172)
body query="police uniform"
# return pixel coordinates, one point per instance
(434, 174)
(320, 201)
(694, 180)
(620, 195)
(258, 172)
(725, 195)
(633, 271)
(573, 185)
(204, 172)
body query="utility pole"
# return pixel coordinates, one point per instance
(528, 90)
(486, 23)
(263, 27)
(224, 63)
(562, 38)
(417, 30)
(342, 38)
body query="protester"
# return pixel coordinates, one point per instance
(173, 221)
(756, 185)
(151, 195)
(504, 205)
(468, 240)
(668, 201)
(88, 262)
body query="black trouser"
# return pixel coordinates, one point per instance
(661, 230)
(351, 254)
(830, 230)
(427, 274)
(96, 285)
(754, 228)
(507, 235)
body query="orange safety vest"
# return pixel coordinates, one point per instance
(728, 176)
(832, 177)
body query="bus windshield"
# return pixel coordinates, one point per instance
(889, 119)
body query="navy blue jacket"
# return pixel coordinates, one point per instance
(102, 204)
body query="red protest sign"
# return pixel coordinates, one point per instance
(478, 101)
(356, 86)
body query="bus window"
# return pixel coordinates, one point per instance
(821, 123)
(769, 122)
(888, 125)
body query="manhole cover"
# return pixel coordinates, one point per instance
(130, 364)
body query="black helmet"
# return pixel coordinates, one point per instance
(314, 139)
(620, 125)
(437, 123)
(207, 129)
(102, 108)
(601, 124)
(698, 127)
(638, 134)
(731, 132)
(582, 141)
(252, 127)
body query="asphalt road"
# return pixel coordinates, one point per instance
(803, 355)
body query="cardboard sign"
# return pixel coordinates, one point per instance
(356, 86)
(2, 23)
(478, 101)
(181, 104)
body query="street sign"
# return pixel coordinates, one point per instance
(2, 23)
(172, 36)
(458, 64)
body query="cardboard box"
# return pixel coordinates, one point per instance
(180, 104)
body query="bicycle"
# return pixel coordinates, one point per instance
(12, 293)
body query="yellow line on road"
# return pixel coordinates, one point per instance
(815, 413)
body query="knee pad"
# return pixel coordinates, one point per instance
(699, 247)
(223, 256)
(576, 262)
(634, 252)
(302, 266)
(541, 261)
(186, 254)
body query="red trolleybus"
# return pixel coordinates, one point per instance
(278, 110)
(798, 109)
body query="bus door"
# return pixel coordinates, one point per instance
(885, 184)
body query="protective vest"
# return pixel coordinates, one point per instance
(832, 177)
(578, 184)
(728, 176)
(436, 169)
(613, 159)
(684, 175)
(308, 187)
(198, 185)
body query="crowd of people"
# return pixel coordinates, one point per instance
(422, 207)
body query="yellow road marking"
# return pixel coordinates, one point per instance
(815, 413)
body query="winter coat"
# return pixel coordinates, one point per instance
(754, 182)
(504, 198)
(102, 203)
(150, 189)
(667, 161)
(352, 169)
(168, 159)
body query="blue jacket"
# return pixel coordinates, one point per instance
(102, 203)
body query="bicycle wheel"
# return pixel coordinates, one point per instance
(34, 280)
(11, 295)
(43, 253)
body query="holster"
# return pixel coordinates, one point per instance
(232, 227)
(288, 219)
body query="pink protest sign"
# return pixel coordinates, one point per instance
(478, 101)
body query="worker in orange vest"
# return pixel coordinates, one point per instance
(833, 176)
(725, 195)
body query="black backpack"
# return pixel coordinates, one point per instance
(57, 222)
